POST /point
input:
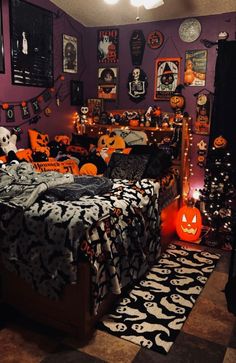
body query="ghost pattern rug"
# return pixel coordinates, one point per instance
(153, 312)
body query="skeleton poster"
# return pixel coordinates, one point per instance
(167, 77)
(107, 45)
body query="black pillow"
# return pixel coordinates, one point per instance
(158, 162)
(83, 141)
(126, 166)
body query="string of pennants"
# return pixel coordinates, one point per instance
(45, 96)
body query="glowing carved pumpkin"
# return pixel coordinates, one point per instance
(189, 224)
(220, 142)
(134, 122)
(112, 140)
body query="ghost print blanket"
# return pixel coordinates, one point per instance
(117, 233)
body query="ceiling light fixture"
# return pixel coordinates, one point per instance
(148, 4)
(111, 2)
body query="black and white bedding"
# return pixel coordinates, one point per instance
(117, 232)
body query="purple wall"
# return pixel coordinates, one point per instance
(61, 118)
(173, 47)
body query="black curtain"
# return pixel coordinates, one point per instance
(224, 106)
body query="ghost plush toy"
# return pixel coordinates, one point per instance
(7, 141)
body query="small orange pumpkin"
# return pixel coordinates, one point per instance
(134, 122)
(189, 224)
(220, 142)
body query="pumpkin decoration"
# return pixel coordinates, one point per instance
(134, 122)
(111, 141)
(220, 142)
(189, 224)
(177, 100)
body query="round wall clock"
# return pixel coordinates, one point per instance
(155, 39)
(189, 30)
(201, 99)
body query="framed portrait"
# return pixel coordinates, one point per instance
(31, 44)
(95, 106)
(195, 68)
(108, 46)
(2, 63)
(70, 54)
(108, 83)
(167, 77)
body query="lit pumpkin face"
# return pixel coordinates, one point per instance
(189, 224)
(177, 101)
(111, 141)
(220, 142)
(134, 122)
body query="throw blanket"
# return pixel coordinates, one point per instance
(83, 185)
(20, 184)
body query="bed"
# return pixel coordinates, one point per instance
(109, 241)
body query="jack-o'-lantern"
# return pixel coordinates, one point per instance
(134, 122)
(189, 224)
(220, 142)
(111, 140)
(177, 100)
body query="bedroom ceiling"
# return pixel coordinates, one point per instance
(92, 13)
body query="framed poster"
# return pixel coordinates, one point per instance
(31, 44)
(95, 106)
(2, 63)
(69, 54)
(108, 83)
(204, 104)
(76, 93)
(107, 45)
(167, 77)
(195, 67)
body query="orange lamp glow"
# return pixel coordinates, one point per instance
(189, 224)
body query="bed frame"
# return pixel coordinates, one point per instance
(73, 313)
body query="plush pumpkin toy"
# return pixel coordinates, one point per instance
(189, 224)
(93, 164)
(111, 141)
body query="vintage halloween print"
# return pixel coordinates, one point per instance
(107, 45)
(203, 114)
(107, 83)
(167, 77)
(195, 68)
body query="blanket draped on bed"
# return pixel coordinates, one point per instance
(116, 232)
(20, 184)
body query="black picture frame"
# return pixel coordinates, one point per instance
(31, 34)
(2, 62)
(69, 54)
(76, 93)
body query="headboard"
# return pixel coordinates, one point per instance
(154, 136)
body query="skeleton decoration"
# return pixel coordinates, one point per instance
(137, 84)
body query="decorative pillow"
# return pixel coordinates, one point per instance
(122, 166)
(39, 141)
(111, 140)
(93, 164)
(64, 139)
(106, 152)
(83, 141)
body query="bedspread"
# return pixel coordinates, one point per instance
(116, 232)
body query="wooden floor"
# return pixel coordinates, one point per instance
(208, 335)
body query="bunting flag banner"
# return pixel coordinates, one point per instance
(34, 120)
(35, 105)
(25, 114)
(10, 114)
(47, 95)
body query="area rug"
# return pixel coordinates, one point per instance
(153, 312)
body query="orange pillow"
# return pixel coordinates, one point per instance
(39, 141)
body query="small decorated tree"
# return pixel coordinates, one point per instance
(216, 196)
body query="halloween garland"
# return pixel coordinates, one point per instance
(45, 96)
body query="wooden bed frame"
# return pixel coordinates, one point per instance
(73, 313)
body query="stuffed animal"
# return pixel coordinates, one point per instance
(7, 141)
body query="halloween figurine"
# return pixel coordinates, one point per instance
(177, 103)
